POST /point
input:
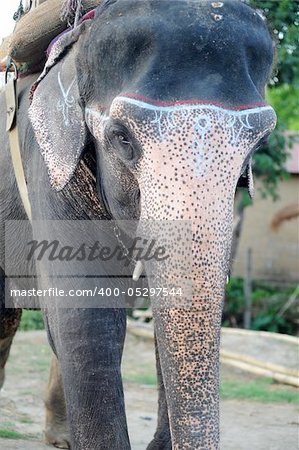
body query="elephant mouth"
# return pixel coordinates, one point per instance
(246, 180)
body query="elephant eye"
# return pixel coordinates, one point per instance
(119, 139)
(121, 143)
(123, 140)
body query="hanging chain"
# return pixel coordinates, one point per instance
(19, 13)
(24, 10)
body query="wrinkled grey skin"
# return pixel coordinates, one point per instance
(56, 427)
(170, 102)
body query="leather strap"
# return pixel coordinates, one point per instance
(14, 143)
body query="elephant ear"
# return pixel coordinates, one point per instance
(55, 113)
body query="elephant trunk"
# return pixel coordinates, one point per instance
(189, 176)
(199, 224)
(188, 328)
(192, 158)
(190, 366)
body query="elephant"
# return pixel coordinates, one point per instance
(149, 112)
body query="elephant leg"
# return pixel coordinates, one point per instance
(89, 345)
(9, 322)
(56, 430)
(162, 438)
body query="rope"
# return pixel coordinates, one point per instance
(71, 12)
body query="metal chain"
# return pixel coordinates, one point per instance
(19, 13)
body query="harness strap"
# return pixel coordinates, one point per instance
(14, 143)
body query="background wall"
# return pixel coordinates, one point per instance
(275, 255)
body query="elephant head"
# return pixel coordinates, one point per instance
(171, 94)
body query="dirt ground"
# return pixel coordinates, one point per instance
(245, 425)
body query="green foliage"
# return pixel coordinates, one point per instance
(260, 389)
(283, 93)
(267, 301)
(269, 162)
(31, 320)
(269, 322)
(283, 19)
(285, 101)
(148, 379)
(11, 434)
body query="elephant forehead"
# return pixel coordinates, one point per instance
(198, 121)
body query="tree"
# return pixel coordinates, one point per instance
(283, 93)
(283, 19)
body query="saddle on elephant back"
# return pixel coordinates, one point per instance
(38, 23)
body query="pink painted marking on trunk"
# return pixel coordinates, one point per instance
(193, 102)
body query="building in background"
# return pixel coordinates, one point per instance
(275, 250)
